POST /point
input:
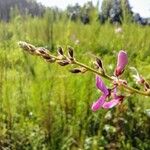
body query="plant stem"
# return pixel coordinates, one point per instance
(132, 90)
(92, 70)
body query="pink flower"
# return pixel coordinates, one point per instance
(101, 102)
(121, 63)
(118, 30)
(113, 102)
(101, 86)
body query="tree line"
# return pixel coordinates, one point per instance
(7, 7)
(113, 11)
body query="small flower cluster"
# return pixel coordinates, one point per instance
(106, 92)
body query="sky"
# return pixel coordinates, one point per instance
(139, 6)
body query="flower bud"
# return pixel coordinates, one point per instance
(140, 80)
(146, 86)
(63, 62)
(121, 63)
(76, 70)
(137, 77)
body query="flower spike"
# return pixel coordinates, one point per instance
(107, 93)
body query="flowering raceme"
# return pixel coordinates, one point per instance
(109, 97)
(107, 93)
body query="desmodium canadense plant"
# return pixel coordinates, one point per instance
(110, 96)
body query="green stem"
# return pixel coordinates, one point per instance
(132, 90)
(93, 70)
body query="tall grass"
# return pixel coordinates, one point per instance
(43, 106)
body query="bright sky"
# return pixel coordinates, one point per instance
(139, 6)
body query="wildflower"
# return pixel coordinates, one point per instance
(101, 86)
(137, 77)
(118, 30)
(113, 102)
(101, 102)
(121, 63)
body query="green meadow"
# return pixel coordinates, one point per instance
(45, 107)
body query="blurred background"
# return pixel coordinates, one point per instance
(43, 106)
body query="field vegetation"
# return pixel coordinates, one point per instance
(45, 107)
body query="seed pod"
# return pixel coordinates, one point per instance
(70, 53)
(147, 86)
(51, 60)
(75, 70)
(63, 62)
(31, 48)
(23, 45)
(27, 47)
(46, 57)
(99, 63)
(42, 51)
(60, 51)
(37, 52)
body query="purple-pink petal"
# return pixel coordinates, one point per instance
(101, 86)
(122, 59)
(115, 93)
(111, 103)
(121, 62)
(99, 103)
